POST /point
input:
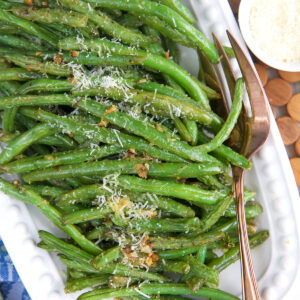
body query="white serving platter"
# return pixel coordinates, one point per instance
(276, 262)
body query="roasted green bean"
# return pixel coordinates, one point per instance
(118, 145)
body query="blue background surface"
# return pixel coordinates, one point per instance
(11, 287)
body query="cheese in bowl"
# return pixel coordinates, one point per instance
(271, 30)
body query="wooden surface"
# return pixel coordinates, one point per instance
(292, 77)
(278, 91)
(293, 107)
(289, 130)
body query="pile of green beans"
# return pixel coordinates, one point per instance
(119, 146)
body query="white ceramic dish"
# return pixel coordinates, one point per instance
(244, 15)
(276, 262)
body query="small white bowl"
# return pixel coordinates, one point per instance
(244, 16)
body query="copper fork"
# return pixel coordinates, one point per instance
(253, 131)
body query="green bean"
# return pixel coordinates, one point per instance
(35, 64)
(85, 193)
(119, 269)
(6, 28)
(137, 57)
(211, 218)
(18, 74)
(49, 85)
(150, 86)
(67, 209)
(142, 129)
(66, 30)
(167, 297)
(164, 225)
(229, 51)
(106, 167)
(166, 30)
(23, 141)
(4, 64)
(78, 266)
(211, 181)
(233, 255)
(40, 3)
(158, 289)
(160, 104)
(48, 191)
(59, 158)
(96, 234)
(101, 134)
(106, 257)
(51, 28)
(201, 271)
(75, 274)
(165, 90)
(251, 211)
(169, 80)
(54, 99)
(167, 188)
(156, 48)
(17, 42)
(6, 5)
(115, 269)
(8, 137)
(173, 49)
(29, 27)
(73, 182)
(63, 247)
(115, 13)
(172, 83)
(59, 85)
(10, 87)
(193, 130)
(85, 215)
(165, 204)
(182, 76)
(184, 133)
(227, 153)
(120, 281)
(33, 39)
(180, 267)
(50, 15)
(2, 90)
(74, 285)
(8, 118)
(82, 194)
(128, 20)
(4, 50)
(180, 8)
(90, 31)
(231, 120)
(107, 25)
(59, 140)
(177, 253)
(201, 254)
(226, 225)
(28, 196)
(170, 243)
(169, 16)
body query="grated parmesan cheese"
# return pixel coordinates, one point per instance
(275, 25)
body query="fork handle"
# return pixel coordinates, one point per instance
(249, 283)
